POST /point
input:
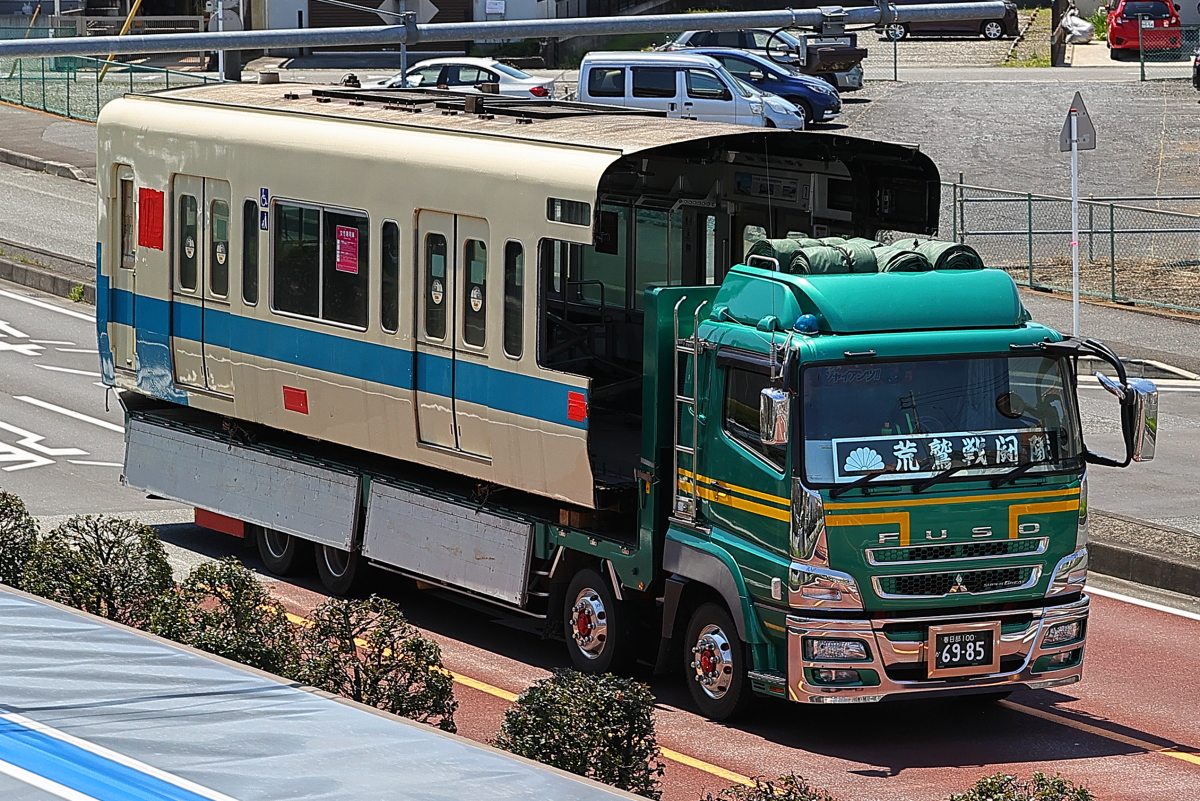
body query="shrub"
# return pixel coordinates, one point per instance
(366, 650)
(601, 727)
(1003, 787)
(222, 607)
(789, 787)
(18, 538)
(108, 566)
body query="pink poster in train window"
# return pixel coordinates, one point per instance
(347, 250)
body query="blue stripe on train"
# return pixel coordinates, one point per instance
(523, 395)
(80, 770)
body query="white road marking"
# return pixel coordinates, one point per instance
(42, 783)
(51, 342)
(118, 757)
(47, 306)
(76, 350)
(96, 464)
(7, 330)
(68, 413)
(31, 440)
(70, 370)
(26, 348)
(1170, 610)
(24, 459)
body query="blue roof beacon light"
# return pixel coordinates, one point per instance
(807, 324)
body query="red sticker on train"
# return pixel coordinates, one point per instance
(295, 400)
(347, 250)
(150, 218)
(576, 406)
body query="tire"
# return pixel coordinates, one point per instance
(895, 32)
(283, 554)
(992, 30)
(341, 572)
(598, 627)
(715, 664)
(806, 110)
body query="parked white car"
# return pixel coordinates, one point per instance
(683, 85)
(466, 74)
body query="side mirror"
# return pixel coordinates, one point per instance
(1139, 419)
(774, 409)
(756, 76)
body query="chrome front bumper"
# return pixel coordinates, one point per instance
(898, 655)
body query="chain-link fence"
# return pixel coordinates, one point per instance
(1163, 53)
(1126, 252)
(79, 87)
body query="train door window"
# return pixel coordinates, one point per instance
(435, 286)
(250, 252)
(128, 228)
(475, 296)
(389, 295)
(344, 268)
(658, 251)
(297, 276)
(514, 299)
(188, 244)
(606, 82)
(710, 249)
(750, 235)
(742, 391)
(218, 248)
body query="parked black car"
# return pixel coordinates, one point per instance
(989, 28)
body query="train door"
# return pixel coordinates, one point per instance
(451, 376)
(122, 259)
(200, 291)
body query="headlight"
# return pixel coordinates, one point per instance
(821, 650)
(1063, 633)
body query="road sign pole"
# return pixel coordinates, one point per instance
(1074, 222)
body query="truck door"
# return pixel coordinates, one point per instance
(200, 286)
(451, 379)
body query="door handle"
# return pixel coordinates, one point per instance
(671, 106)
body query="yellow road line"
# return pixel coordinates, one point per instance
(484, 687)
(1142, 745)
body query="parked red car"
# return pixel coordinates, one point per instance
(1158, 20)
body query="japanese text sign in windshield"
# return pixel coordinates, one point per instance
(923, 455)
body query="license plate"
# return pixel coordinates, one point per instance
(1147, 23)
(963, 649)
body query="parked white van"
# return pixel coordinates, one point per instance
(683, 85)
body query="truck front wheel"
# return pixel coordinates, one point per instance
(715, 663)
(597, 625)
(341, 571)
(283, 554)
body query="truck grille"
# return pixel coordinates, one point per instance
(958, 550)
(974, 582)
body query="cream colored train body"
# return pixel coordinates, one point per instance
(361, 271)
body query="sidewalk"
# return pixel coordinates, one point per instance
(49, 139)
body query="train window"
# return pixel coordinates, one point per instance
(710, 249)
(742, 391)
(344, 269)
(297, 284)
(189, 225)
(250, 252)
(603, 274)
(475, 296)
(573, 212)
(658, 254)
(514, 299)
(435, 286)
(389, 300)
(218, 247)
(128, 251)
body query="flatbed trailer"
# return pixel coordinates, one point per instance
(91, 710)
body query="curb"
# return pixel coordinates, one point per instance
(61, 169)
(1144, 567)
(47, 281)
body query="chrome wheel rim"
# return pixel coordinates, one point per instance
(895, 32)
(337, 561)
(713, 662)
(992, 30)
(277, 543)
(589, 623)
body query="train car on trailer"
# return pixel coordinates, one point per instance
(510, 349)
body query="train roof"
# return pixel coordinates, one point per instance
(110, 712)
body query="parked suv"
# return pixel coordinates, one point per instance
(1158, 21)
(683, 85)
(784, 47)
(989, 28)
(819, 101)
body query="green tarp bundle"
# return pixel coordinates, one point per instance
(943, 255)
(896, 260)
(835, 255)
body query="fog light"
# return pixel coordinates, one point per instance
(1063, 632)
(819, 650)
(836, 676)
(1065, 658)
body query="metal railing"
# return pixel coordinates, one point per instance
(1127, 251)
(1165, 53)
(71, 86)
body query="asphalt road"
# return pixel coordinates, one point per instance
(48, 212)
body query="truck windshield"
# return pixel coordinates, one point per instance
(915, 419)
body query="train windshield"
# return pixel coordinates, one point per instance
(908, 420)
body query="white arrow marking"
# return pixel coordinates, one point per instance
(27, 348)
(88, 373)
(68, 413)
(11, 453)
(31, 440)
(8, 330)
(96, 464)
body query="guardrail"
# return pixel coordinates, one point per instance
(71, 85)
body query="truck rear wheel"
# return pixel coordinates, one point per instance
(715, 663)
(342, 572)
(597, 625)
(283, 554)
